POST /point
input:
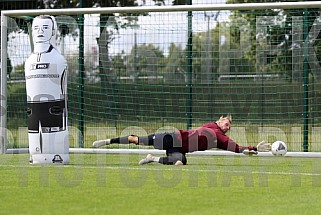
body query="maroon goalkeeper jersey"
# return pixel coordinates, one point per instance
(206, 137)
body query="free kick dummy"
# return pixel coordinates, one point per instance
(46, 85)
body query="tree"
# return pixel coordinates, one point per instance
(175, 63)
(279, 34)
(205, 57)
(18, 4)
(118, 62)
(145, 60)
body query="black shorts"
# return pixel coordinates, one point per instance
(51, 115)
(163, 141)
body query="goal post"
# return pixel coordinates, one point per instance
(257, 61)
(179, 8)
(3, 85)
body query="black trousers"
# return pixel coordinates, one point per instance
(168, 142)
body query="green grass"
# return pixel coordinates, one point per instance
(115, 184)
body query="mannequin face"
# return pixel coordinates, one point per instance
(42, 30)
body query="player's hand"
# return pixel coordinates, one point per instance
(263, 147)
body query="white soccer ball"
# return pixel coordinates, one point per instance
(279, 148)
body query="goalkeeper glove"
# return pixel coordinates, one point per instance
(263, 147)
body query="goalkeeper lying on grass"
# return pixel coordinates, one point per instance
(177, 144)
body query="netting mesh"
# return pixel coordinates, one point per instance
(136, 72)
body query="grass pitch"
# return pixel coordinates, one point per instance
(116, 184)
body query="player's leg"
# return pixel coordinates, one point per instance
(118, 140)
(175, 158)
(159, 141)
(149, 159)
(144, 140)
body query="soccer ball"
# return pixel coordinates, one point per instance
(279, 148)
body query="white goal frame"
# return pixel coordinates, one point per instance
(77, 11)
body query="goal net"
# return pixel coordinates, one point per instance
(143, 70)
